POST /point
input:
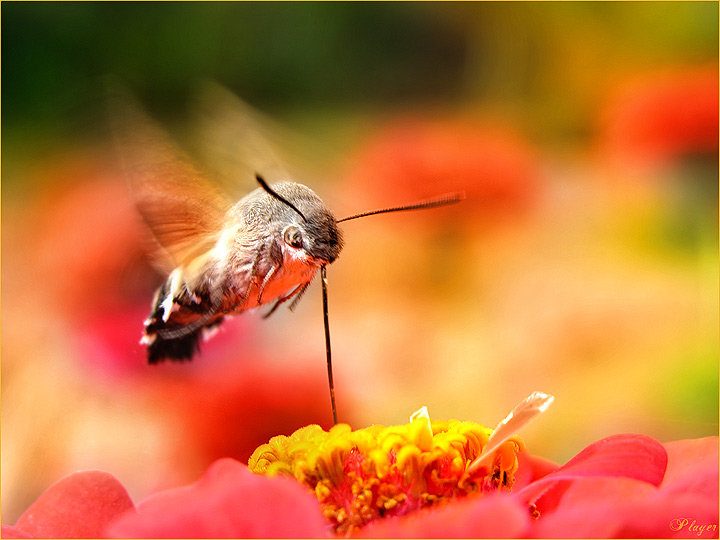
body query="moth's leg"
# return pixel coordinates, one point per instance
(297, 292)
(298, 296)
(266, 280)
(276, 257)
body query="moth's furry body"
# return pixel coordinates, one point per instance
(256, 260)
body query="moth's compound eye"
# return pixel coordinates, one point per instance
(293, 237)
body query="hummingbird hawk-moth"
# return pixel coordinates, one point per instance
(224, 258)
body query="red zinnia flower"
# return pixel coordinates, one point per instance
(621, 486)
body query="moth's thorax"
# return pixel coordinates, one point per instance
(255, 260)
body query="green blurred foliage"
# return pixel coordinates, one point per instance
(268, 52)
(310, 54)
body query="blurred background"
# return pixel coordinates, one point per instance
(583, 262)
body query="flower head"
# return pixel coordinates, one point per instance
(381, 471)
(621, 486)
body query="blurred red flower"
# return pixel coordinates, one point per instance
(230, 410)
(418, 156)
(621, 486)
(661, 117)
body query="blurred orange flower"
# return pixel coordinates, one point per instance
(661, 117)
(417, 156)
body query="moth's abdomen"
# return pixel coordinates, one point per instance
(177, 321)
(176, 349)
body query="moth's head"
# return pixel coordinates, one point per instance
(307, 225)
(311, 228)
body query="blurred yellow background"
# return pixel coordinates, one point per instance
(583, 262)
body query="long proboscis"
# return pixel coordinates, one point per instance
(433, 202)
(328, 350)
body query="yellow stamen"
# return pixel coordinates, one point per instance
(358, 476)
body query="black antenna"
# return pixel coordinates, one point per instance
(433, 202)
(272, 192)
(328, 352)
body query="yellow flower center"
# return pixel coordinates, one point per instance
(380, 471)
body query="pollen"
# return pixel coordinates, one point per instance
(382, 471)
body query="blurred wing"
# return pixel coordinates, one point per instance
(238, 141)
(183, 210)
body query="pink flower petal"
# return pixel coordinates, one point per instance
(625, 456)
(78, 506)
(692, 467)
(683, 505)
(227, 502)
(624, 507)
(8, 531)
(531, 468)
(490, 516)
